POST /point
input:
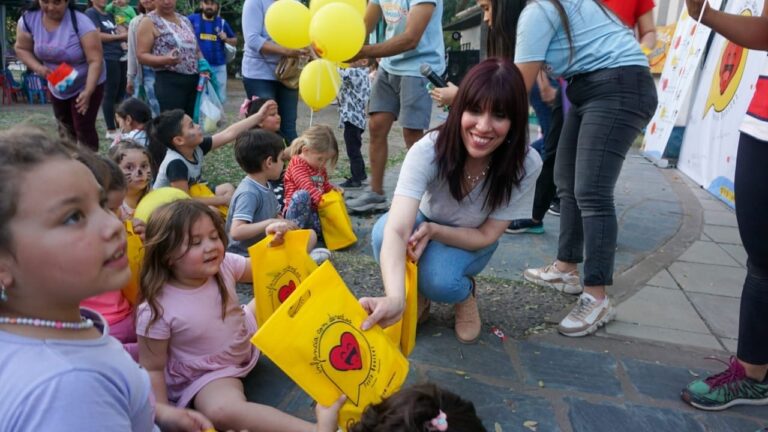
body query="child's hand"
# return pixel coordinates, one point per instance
(173, 419)
(268, 109)
(278, 229)
(328, 417)
(139, 228)
(338, 189)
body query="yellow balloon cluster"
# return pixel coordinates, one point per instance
(336, 31)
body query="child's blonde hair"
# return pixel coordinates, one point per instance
(319, 138)
(167, 229)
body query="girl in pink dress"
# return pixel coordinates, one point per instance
(194, 337)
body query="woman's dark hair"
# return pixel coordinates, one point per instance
(494, 85)
(136, 108)
(161, 131)
(109, 176)
(412, 408)
(502, 34)
(254, 147)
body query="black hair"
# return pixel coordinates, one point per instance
(411, 410)
(502, 34)
(136, 108)
(161, 131)
(256, 105)
(254, 147)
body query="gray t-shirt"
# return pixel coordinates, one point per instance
(252, 203)
(72, 385)
(418, 180)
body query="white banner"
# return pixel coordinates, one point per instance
(723, 94)
(676, 79)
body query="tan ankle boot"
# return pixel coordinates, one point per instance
(468, 324)
(423, 305)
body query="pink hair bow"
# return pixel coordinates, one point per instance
(246, 104)
(439, 423)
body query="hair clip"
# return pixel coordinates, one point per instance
(439, 423)
(246, 104)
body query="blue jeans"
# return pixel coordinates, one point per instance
(301, 212)
(543, 114)
(287, 101)
(149, 89)
(609, 108)
(444, 271)
(221, 79)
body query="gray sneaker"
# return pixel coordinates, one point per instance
(368, 201)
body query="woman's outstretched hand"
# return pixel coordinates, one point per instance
(383, 311)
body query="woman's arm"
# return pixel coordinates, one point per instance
(646, 30)
(133, 64)
(471, 239)
(386, 311)
(232, 132)
(145, 40)
(749, 32)
(529, 71)
(106, 37)
(25, 47)
(95, 58)
(153, 356)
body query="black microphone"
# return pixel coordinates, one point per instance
(432, 76)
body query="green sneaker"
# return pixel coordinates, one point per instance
(726, 389)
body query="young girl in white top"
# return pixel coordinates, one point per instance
(132, 116)
(194, 337)
(59, 368)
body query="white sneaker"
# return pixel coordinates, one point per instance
(551, 277)
(320, 255)
(587, 316)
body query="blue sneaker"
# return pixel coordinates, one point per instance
(525, 226)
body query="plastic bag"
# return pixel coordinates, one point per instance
(335, 222)
(278, 270)
(315, 338)
(403, 332)
(210, 109)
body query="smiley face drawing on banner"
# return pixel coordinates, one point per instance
(344, 355)
(727, 76)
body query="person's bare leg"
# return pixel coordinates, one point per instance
(223, 402)
(410, 136)
(379, 126)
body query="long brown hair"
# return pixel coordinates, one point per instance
(496, 85)
(168, 229)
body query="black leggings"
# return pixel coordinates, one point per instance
(545, 184)
(174, 90)
(751, 187)
(114, 90)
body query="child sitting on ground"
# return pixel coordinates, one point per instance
(353, 102)
(254, 209)
(306, 179)
(58, 246)
(132, 116)
(194, 337)
(419, 408)
(182, 146)
(134, 162)
(112, 305)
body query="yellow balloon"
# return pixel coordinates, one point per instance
(337, 32)
(315, 5)
(157, 198)
(287, 22)
(319, 83)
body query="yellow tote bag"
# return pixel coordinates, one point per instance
(403, 333)
(201, 190)
(335, 222)
(278, 270)
(315, 338)
(135, 253)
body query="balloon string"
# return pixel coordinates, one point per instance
(311, 116)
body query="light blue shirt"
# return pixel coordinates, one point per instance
(255, 64)
(72, 385)
(430, 50)
(600, 40)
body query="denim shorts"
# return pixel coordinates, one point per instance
(404, 96)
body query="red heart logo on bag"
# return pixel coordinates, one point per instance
(285, 291)
(346, 355)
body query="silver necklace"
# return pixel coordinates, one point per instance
(472, 179)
